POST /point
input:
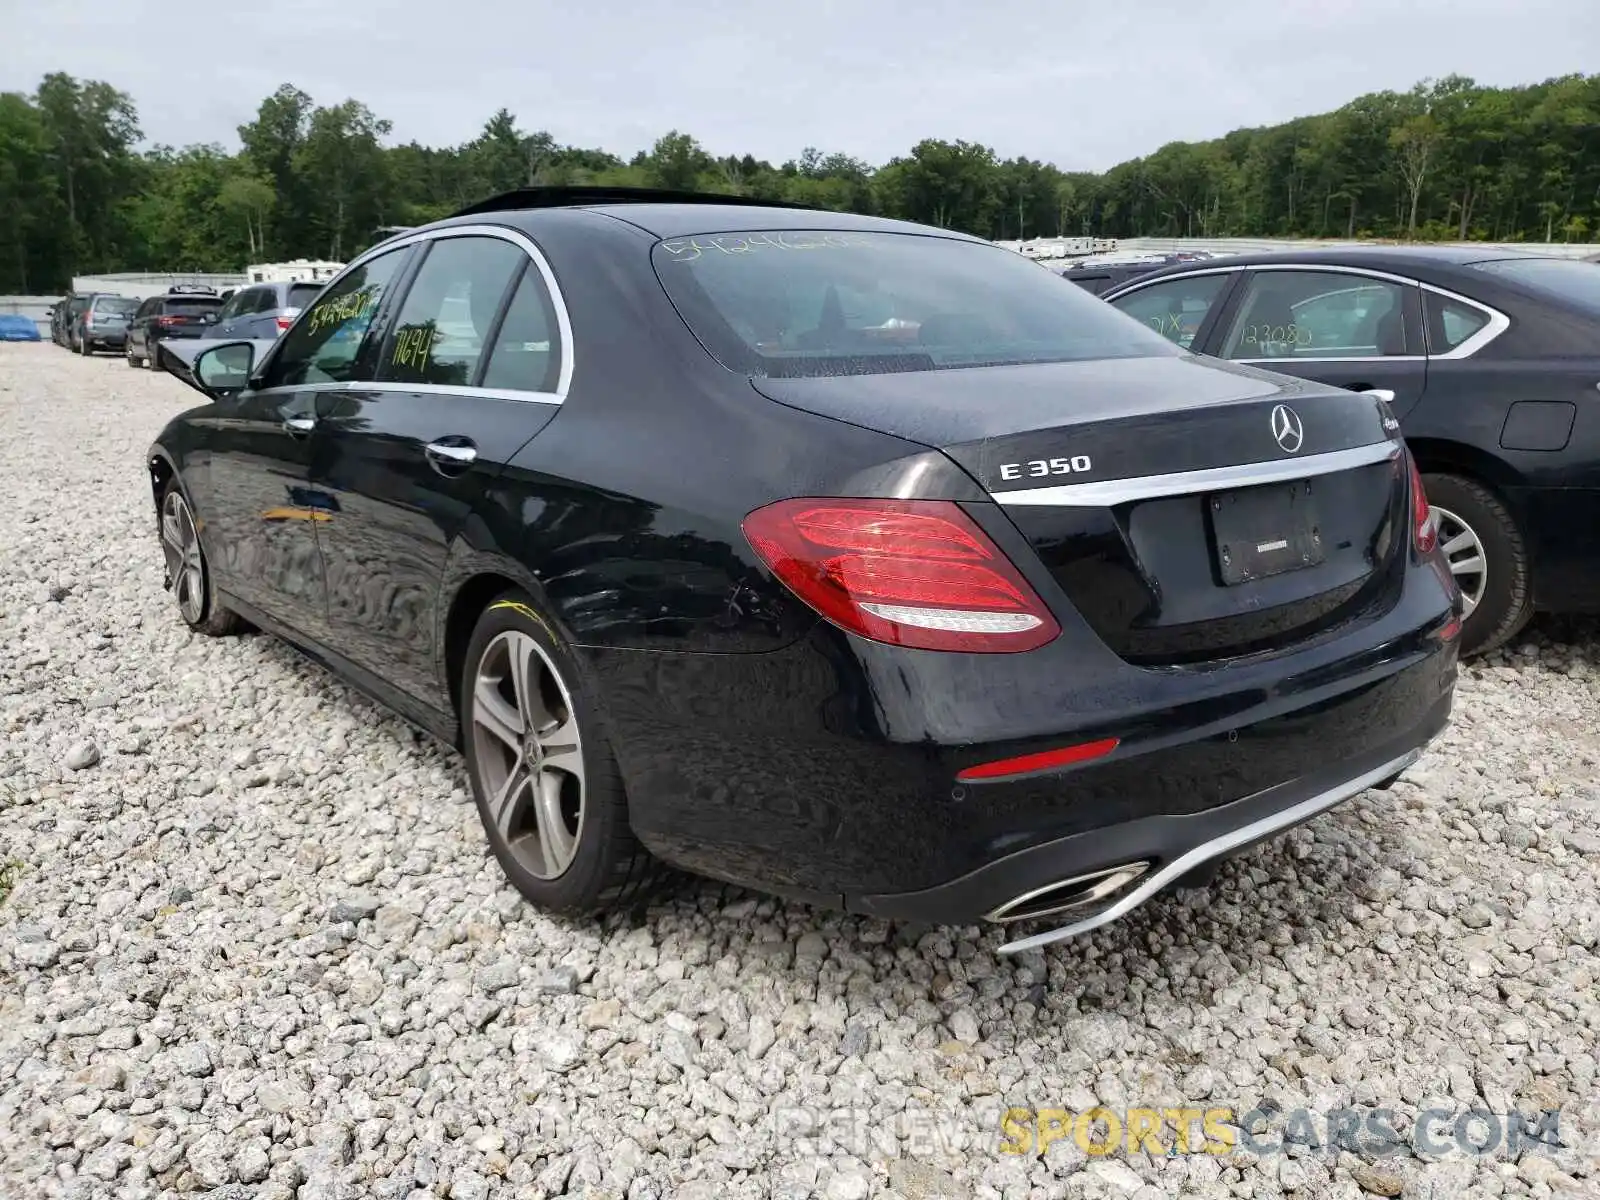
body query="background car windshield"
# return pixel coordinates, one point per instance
(1566, 279)
(810, 303)
(194, 306)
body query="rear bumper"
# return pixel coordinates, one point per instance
(107, 339)
(1161, 848)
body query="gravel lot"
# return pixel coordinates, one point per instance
(253, 944)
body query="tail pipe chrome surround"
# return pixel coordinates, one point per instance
(1064, 895)
(1234, 838)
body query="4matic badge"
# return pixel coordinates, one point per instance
(1039, 468)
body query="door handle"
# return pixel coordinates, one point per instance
(299, 424)
(452, 454)
(1384, 394)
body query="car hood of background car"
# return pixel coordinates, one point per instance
(969, 404)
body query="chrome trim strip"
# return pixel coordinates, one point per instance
(1244, 835)
(505, 234)
(1331, 358)
(1149, 487)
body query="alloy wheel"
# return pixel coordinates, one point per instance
(529, 753)
(180, 543)
(1464, 552)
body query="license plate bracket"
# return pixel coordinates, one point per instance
(1263, 531)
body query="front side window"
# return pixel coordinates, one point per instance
(449, 312)
(1318, 314)
(800, 303)
(322, 346)
(1175, 308)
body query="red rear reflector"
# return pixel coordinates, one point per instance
(916, 573)
(1426, 529)
(1450, 630)
(1042, 761)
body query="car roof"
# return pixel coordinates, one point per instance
(666, 213)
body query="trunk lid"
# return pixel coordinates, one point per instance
(1189, 510)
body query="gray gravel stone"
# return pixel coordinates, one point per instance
(262, 954)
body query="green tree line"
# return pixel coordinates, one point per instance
(1448, 159)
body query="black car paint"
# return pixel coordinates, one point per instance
(1522, 415)
(758, 742)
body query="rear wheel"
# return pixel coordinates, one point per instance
(546, 784)
(188, 573)
(133, 359)
(1488, 557)
(84, 348)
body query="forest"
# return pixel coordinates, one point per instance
(81, 192)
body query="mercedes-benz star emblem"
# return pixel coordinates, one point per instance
(1287, 429)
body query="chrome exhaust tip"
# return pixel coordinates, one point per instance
(1065, 895)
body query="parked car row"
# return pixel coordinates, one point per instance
(93, 321)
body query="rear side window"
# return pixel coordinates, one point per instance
(1318, 314)
(814, 302)
(527, 348)
(1174, 308)
(1450, 322)
(444, 325)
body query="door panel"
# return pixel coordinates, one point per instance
(259, 522)
(400, 508)
(1349, 330)
(409, 454)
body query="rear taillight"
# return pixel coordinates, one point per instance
(286, 319)
(1424, 527)
(914, 573)
(167, 320)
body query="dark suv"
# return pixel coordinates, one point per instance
(183, 312)
(102, 323)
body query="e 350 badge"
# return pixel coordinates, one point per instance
(1039, 468)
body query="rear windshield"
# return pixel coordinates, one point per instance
(116, 304)
(191, 306)
(812, 303)
(302, 294)
(1566, 279)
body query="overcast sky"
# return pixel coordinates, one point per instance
(1115, 79)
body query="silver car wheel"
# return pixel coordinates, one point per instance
(529, 754)
(180, 543)
(1464, 552)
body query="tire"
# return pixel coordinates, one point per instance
(188, 572)
(150, 358)
(132, 359)
(84, 348)
(576, 853)
(1500, 597)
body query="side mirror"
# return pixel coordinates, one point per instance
(225, 370)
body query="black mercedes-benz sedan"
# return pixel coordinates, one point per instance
(851, 560)
(1491, 362)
